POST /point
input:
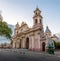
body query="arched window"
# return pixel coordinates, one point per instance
(17, 32)
(36, 13)
(27, 43)
(43, 46)
(36, 21)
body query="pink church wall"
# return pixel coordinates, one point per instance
(30, 43)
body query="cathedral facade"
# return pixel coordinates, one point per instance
(30, 38)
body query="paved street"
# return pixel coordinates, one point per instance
(25, 55)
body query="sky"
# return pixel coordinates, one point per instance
(14, 11)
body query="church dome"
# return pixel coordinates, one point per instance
(47, 30)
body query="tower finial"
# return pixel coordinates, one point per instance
(37, 6)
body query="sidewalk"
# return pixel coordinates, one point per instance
(30, 53)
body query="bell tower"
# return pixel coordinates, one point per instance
(39, 33)
(37, 18)
(16, 29)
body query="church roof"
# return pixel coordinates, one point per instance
(47, 30)
(37, 9)
(23, 23)
(54, 36)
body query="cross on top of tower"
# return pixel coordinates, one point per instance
(37, 7)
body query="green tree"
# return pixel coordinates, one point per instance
(5, 30)
(58, 45)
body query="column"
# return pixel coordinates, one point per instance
(38, 42)
(17, 44)
(32, 42)
(13, 46)
(23, 41)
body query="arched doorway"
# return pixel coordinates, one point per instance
(43, 46)
(27, 43)
(20, 44)
(12, 44)
(15, 44)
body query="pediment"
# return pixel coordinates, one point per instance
(23, 27)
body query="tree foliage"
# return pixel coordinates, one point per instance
(57, 45)
(5, 30)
